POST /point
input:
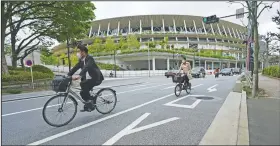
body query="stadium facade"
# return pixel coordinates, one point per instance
(183, 31)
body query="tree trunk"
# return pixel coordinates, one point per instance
(256, 60)
(22, 63)
(13, 45)
(4, 67)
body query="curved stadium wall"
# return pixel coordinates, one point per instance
(183, 31)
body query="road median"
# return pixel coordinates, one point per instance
(230, 126)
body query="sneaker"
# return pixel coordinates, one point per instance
(89, 106)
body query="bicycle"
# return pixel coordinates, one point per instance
(63, 88)
(178, 79)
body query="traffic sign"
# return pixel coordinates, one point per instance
(29, 63)
(239, 13)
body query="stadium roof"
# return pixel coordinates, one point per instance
(157, 22)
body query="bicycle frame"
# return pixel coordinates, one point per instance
(71, 92)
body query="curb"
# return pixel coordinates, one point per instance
(230, 125)
(243, 128)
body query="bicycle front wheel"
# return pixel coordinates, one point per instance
(57, 107)
(178, 89)
(106, 101)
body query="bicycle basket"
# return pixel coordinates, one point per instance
(60, 84)
(177, 79)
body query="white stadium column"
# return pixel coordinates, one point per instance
(98, 30)
(185, 26)
(225, 31)
(163, 27)
(90, 31)
(168, 63)
(140, 27)
(154, 63)
(205, 65)
(118, 28)
(108, 29)
(129, 27)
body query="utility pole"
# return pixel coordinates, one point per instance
(115, 63)
(149, 56)
(68, 52)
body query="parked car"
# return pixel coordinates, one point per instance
(198, 72)
(227, 72)
(237, 71)
(170, 73)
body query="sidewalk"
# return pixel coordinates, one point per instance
(264, 114)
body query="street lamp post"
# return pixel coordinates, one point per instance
(115, 66)
(149, 56)
(68, 53)
(115, 63)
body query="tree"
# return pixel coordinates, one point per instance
(96, 47)
(46, 19)
(254, 14)
(110, 45)
(132, 42)
(276, 19)
(122, 44)
(13, 14)
(268, 39)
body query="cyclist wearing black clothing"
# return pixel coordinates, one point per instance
(90, 74)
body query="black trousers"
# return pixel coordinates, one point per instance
(186, 79)
(86, 86)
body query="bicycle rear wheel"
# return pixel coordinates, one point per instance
(106, 100)
(59, 104)
(188, 88)
(178, 89)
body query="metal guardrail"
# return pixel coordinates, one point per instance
(249, 78)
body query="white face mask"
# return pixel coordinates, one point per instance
(79, 55)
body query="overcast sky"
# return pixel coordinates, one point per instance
(109, 9)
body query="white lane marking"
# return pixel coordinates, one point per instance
(95, 122)
(169, 87)
(175, 85)
(78, 100)
(171, 103)
(30, 110)
(75, 90)
(212, 88)
(129, 129)
(196, 86)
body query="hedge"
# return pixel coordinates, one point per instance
(273, 71)
(107, 66)
(20, 74)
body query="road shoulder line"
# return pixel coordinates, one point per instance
(224, 128)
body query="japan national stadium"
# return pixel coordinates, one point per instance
(169, 36)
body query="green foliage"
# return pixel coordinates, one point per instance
(273, 71)
(96, 46)
(13, 91)
(107, 66)
(110, 45)
(21, 74)
(132, 42)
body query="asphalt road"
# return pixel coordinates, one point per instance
(147, 112)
